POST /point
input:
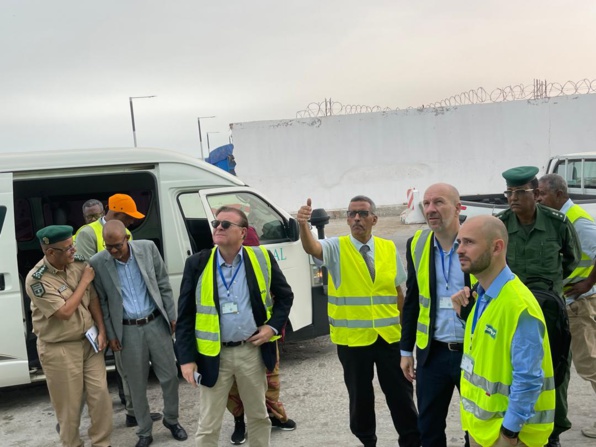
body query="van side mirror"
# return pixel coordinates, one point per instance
(319, 218)
(292, 230)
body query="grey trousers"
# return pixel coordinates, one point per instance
(151, 342)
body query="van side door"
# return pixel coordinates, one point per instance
(14, 369)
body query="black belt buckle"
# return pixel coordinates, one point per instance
(456, 347)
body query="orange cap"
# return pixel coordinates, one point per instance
(122, 203)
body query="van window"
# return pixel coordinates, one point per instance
(269, 225)
(195, 220)
(574, 174)
(2, 217)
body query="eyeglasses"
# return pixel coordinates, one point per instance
(225, 224)
(517, 192)
(69, 248)
(115, 246)
(95, 216)
(361, 213)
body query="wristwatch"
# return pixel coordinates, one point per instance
(508, 433)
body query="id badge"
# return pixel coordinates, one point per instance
(229, 308)
(467, 363)
(445, 302)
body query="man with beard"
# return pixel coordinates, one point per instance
(429, 320)
(365, 273)
(507, 380)
(543, 249)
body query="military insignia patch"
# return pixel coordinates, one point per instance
(39, 273)
(62, 289)
(79, 258)
(38, 289)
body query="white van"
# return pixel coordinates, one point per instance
(177, 193)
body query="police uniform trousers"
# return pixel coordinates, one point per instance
(72, 369)
(358, 363)
(436, 380)
(141, 344)
(243, 363)
(582, 323)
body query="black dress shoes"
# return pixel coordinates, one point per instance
(131, 421)
(144, 441)
(178, 433)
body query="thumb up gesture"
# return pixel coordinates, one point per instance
(304, 212)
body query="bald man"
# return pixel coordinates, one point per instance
(507, 381)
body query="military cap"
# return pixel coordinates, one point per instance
(54, 233)
(520, 176)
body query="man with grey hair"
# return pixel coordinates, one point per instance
(92, 210)
(579, 291)
(365, 298)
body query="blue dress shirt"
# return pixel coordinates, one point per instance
(136, 299)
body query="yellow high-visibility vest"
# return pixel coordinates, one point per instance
(485, 388)
(98, 230)
(586, 264)
(207, 328)
(359, 309)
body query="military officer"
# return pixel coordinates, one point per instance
(65, 307)
(543, 250)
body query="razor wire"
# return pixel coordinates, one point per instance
(539, 89)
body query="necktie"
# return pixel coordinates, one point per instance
(369, 261)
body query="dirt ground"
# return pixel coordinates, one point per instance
(312, 390)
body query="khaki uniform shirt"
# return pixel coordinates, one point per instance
(49, 289)
(545, 255)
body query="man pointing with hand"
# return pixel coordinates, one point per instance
(365, 273)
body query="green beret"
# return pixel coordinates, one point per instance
(54, 233)
(520, 176)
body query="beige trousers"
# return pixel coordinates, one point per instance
(245, 365)
(582, 323)
(72, 369)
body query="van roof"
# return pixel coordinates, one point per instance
(75, 158)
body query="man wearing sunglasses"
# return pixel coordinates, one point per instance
(64, 307)
(227, 325)
(543, 250)
(365, 273)
(140, 318)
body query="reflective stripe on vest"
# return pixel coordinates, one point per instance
(359, 309)
(207, 331)
(586, 264)
(485, 390)
(420, 249)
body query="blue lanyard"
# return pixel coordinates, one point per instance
(221, 275)
(477, 309)
(448, 272)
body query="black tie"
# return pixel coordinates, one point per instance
(364, 250)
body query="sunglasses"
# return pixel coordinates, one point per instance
(517, 192)
(225, 224)
(118, 247)
(69, 248)
(361, 213)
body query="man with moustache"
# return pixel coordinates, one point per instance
(227, 326)
(429, 320)
(579, 289)
(543, 250)
(365, 273)
(507, 379)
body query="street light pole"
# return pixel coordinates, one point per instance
(200, 134)
(208, 145)
(132, 115)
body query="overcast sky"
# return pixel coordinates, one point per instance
(69, 66)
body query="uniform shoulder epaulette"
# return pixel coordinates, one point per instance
(40, 271)
(503, 213)
(79, 258)
(554, 214)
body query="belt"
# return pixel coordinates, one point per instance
(452, 346)
(232, 344)
(142, 321)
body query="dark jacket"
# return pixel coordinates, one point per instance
(186, 345)
(411, 308)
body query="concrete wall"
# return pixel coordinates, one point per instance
(331, 159)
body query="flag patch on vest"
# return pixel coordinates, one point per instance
(490, 331)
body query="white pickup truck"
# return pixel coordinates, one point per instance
(579, 170)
